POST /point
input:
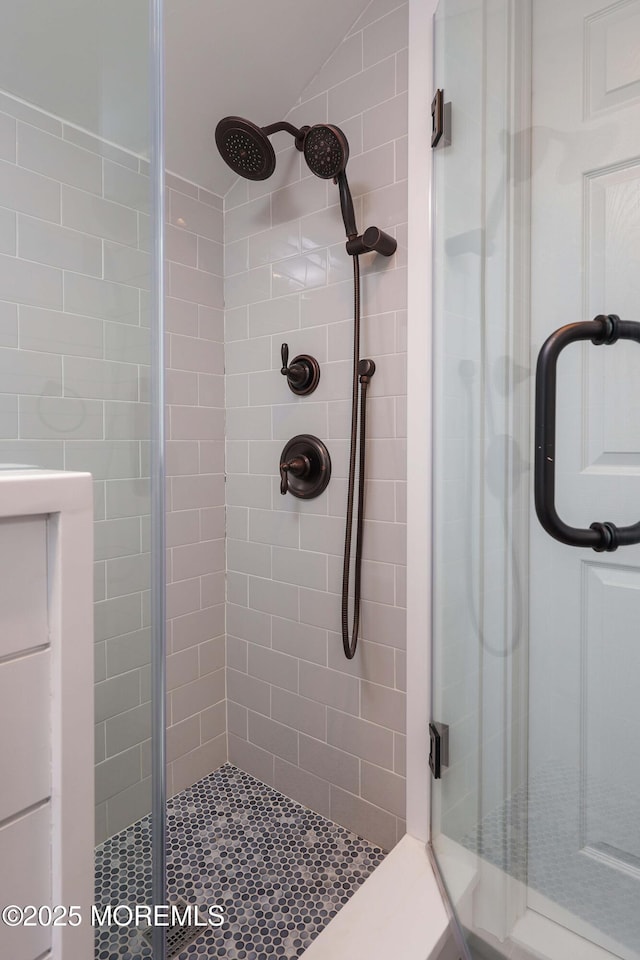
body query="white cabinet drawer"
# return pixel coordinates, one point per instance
(23, 584)
(25, 737)
(26, 880)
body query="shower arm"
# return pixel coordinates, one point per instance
(282, 125)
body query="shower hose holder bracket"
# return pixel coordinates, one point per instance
(366, 369)
(373, 240)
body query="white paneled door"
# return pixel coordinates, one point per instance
(584, 808)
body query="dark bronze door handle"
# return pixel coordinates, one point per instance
(605, 536)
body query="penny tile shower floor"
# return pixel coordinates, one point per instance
(280, 871)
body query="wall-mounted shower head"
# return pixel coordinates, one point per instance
(246, 148)
(326, 151)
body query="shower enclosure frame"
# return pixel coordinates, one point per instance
(158, 475)
(419, 417)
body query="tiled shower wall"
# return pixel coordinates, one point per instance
(74, 338)
(328, 732)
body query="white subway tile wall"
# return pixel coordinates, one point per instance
(326, 731)
(74, 349)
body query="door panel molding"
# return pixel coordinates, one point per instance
(611, 62)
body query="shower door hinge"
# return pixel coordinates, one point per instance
(440, 120)
(439, 748)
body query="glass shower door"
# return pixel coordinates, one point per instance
(584, 662)
(535, 820)
(80, 324)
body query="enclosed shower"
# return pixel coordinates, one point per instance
(188, 333)
(353, 384)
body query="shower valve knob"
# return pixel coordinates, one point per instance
(303, 373)
(298, 466)
(305, 467)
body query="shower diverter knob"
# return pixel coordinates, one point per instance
(303, 373)
(305, 467)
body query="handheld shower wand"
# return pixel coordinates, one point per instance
(326, 151)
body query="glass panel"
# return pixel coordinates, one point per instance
(480, 614)
(76, 254)
(584, 853)
(535, 818)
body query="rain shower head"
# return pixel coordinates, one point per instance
(326, 151)
(246, 148)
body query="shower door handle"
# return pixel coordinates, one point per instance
(606, 536)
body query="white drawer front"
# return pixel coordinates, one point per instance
(25, 879)
(25, 737)
(23, 584)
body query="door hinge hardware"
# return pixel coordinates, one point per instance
(440, 120)
(439, 748)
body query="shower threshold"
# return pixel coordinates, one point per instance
(277, 871)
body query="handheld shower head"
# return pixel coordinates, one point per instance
(326, 151)
(246, 148)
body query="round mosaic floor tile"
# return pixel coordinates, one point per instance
(279, 871)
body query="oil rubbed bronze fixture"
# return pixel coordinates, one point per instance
(603, 330)
(305, 467)
(246, 148)
(303, 373)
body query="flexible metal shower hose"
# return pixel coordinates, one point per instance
(350, 643)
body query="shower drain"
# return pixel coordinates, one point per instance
(178, 935)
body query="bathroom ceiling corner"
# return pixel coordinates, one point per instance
(225, 57)
(240, 57)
